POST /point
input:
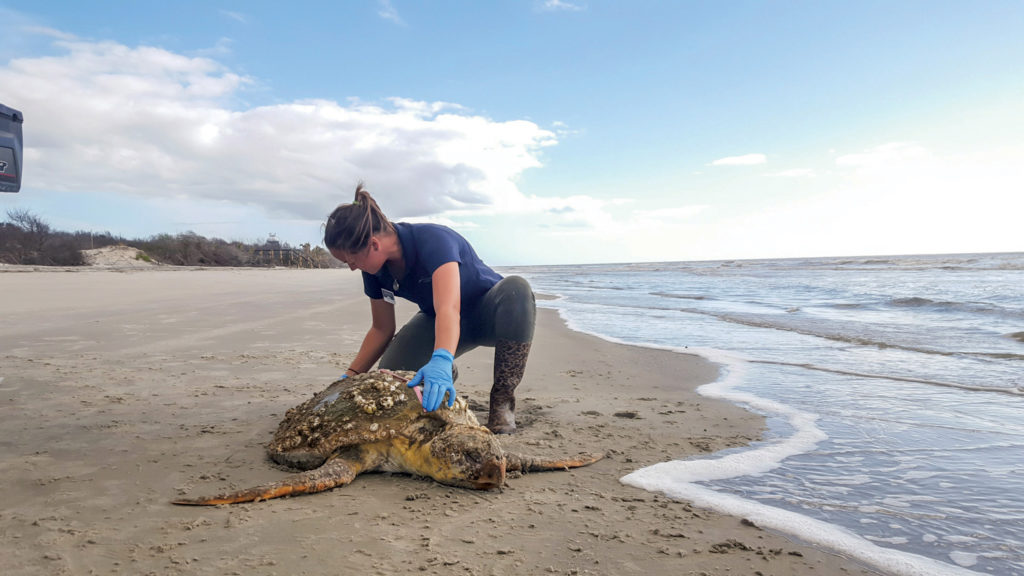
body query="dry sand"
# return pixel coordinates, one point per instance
(120, 390)
(119, 257)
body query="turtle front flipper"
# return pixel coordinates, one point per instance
(524, 463)
(334, 473)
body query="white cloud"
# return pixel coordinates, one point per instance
(46, 31)
(667, 216)
(222, 48)
(794, 173)
(895, 198)
(744, 160)
(388, 12)
(150, 123)
(561, 6)
(884, 155)
(236, 16)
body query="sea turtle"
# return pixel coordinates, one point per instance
(374, 422)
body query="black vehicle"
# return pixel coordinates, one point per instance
(10, 149)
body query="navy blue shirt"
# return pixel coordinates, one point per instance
(425, 248)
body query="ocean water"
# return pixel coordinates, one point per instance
(893, 389)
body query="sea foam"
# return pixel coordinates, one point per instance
(678, 479)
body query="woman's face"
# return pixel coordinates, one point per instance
(369, 259)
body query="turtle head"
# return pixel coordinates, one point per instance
(468, 457)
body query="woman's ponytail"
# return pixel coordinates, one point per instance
(350, 227)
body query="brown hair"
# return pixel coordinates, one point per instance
(350, 226)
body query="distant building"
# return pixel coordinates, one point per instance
(272, 242)
(274, 253)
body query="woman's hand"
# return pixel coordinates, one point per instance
(436, 378)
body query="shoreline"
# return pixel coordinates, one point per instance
(121, 391)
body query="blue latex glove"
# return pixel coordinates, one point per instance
(343, 376)
(436, 378)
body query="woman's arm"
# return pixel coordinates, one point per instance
(447, 303)
(436, 375)
(381, 331)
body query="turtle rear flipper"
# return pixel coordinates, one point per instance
(336, 472)
(524, 463)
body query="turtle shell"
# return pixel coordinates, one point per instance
(363, 409)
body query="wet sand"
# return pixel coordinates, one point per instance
(123, 389)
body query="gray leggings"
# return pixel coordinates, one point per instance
(508, 311)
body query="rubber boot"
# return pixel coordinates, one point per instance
(509, 365)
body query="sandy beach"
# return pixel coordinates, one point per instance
(122, 389)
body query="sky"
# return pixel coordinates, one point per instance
(545, 131)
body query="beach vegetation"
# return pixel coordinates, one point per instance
(27, 239)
